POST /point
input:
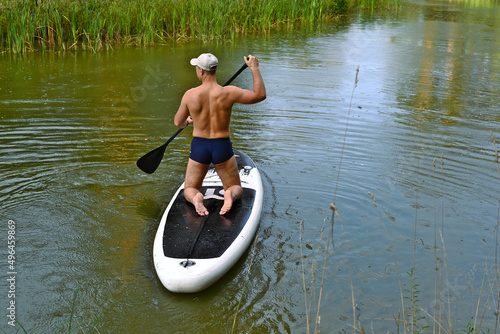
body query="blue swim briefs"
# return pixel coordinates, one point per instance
(206, 151)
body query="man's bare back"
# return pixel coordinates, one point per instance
(209, 107)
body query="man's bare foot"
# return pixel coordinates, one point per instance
(199, 206)
(228, 202)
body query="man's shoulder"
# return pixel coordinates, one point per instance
(233, 92)
(192, 92)
(231, 89)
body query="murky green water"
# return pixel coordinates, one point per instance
(418, 139)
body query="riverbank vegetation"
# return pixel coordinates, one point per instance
(28, 25)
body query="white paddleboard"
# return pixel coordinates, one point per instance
(191, 252)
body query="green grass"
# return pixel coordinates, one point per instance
(476, 3)
(27, 25)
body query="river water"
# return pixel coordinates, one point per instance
(407, 155)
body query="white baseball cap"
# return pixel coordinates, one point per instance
(206, 61)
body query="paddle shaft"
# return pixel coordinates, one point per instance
(150, 161)
(186, 263)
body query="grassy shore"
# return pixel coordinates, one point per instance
(27, 25)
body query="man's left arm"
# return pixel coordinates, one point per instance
(182, 118)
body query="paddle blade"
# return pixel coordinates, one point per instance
(150, 161)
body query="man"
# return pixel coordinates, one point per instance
(209, 107)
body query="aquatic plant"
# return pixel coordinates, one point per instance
(95, 24)
(413, 311)
(333, 207)
(476, 3)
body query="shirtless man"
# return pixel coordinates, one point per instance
(208, 107)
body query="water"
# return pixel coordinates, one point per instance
(418, 142)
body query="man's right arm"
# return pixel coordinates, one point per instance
(259, 90)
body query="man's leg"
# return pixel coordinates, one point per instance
(230, 177)
(195, 172)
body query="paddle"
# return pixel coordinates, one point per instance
(150, 161)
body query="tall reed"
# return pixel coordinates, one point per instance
(333, 207)
(93, 24)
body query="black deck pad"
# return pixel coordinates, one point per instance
(218, 231)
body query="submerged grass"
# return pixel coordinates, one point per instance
(27, 25)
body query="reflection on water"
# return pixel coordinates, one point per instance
(418, 139)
